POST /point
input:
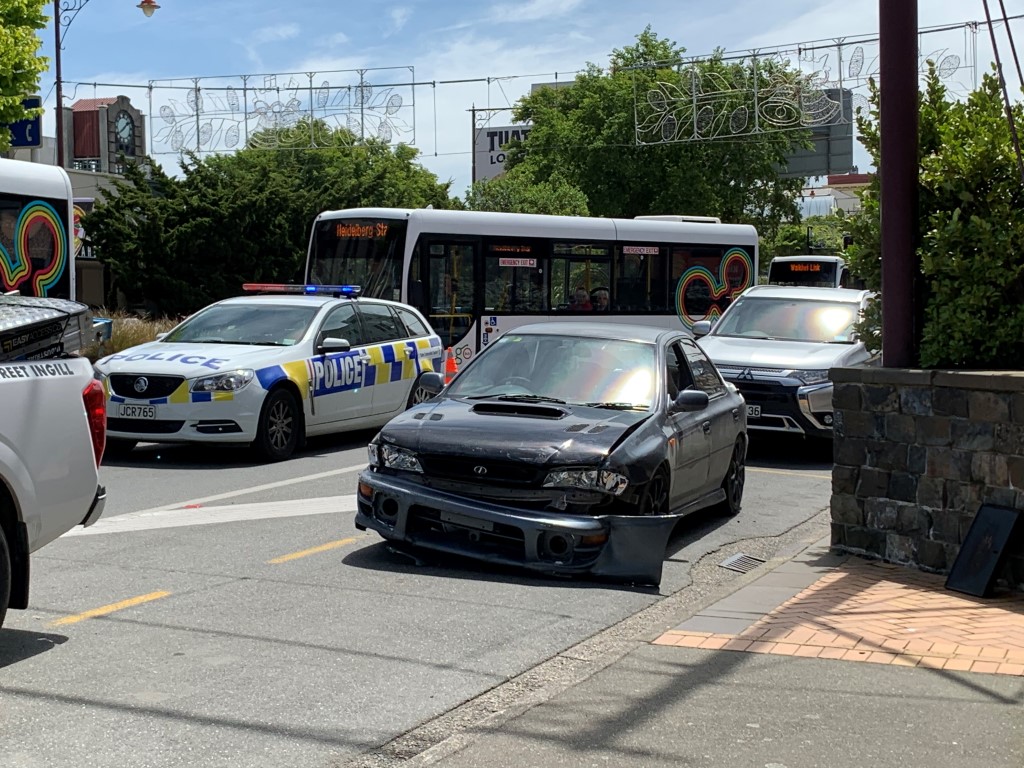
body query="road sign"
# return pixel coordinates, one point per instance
(28, 132)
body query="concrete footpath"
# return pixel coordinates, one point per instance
(824, 661)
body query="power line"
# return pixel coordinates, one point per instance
(1006, 93)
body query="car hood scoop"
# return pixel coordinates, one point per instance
(527, 410)
(538, 433)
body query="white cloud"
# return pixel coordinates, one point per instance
(399, 17)
(534, 10)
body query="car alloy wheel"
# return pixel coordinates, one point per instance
(279, 426)
(654, 497)
(735, 478)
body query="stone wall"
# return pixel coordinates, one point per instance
(916, 454)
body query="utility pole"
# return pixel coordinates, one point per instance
(898, 85)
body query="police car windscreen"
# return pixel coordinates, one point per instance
(251, 324)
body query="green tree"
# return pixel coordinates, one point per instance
(971, 229)
(20, 67)
(174, 245)
(586, 132)
(516, 192)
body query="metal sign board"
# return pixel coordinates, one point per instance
(28, 133)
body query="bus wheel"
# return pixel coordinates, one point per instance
(418, 394)
(278, 435)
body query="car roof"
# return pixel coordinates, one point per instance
(597, 330)
(851, 295)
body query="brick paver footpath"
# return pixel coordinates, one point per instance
(871, 612)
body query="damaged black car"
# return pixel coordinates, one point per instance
(569, 448)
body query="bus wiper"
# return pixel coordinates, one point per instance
(617, 406)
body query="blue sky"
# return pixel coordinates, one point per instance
(502, 47)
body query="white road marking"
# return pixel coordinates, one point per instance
(151, 519)
(247, 491)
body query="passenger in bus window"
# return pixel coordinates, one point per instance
(580, 301)
(599, 299)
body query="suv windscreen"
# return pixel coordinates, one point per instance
(790, 320)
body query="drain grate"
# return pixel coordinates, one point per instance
(741, 562)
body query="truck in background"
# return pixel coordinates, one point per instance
(52, 436)
(815, 271)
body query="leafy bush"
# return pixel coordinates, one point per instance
(971, 229)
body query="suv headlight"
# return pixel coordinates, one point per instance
(810, 377)
(231, 381)
(394, 457)
(588, 479)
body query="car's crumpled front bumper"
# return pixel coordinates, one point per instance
(619, 547)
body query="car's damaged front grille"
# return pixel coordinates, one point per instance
(426, 524)
(491, 472)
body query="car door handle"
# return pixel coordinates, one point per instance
(706, 426)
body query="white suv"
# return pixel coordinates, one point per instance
(777, 344)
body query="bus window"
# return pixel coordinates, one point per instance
(640, 279)
(820, 272)
(362, 252)
(514, 278)
(578, 268)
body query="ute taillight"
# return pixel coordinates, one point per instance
(96, 413)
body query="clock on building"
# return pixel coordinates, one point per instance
(124, 133)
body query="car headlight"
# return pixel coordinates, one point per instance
(588, 479)
(810, 377)
(394, 457)
(230, 381)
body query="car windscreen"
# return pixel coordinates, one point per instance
(260, 325)
(575, 370)
(790, 320)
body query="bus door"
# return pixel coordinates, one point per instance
(442, 285)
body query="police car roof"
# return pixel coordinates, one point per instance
(295, 299)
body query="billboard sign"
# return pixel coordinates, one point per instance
(489, 150)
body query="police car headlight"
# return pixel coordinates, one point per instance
(399, 458)
(810, 377)
(588, 479)
(231, 381)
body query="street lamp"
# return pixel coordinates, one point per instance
(64, 12)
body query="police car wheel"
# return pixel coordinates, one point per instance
(5, 576)
(278, 434)
(418, 395)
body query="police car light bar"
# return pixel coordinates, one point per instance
(349, 291)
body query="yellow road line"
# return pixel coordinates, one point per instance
(106, 609)
(788, 472)
(311, 551)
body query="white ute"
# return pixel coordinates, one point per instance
(52, 435)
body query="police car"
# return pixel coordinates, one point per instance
(269, 369)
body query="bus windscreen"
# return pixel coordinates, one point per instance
(363, 252)
(818, 274)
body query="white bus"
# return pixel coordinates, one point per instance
(36, 235)
(477, 275)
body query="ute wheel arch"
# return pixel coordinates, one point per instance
(14, 573)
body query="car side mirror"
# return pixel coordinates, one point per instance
(690, 400)
(333, 344)
(702, 328)
(432, 382)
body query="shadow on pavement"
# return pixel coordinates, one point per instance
(20, 644)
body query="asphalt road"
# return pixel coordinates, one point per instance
(227, 613)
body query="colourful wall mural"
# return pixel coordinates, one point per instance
(34, 249)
